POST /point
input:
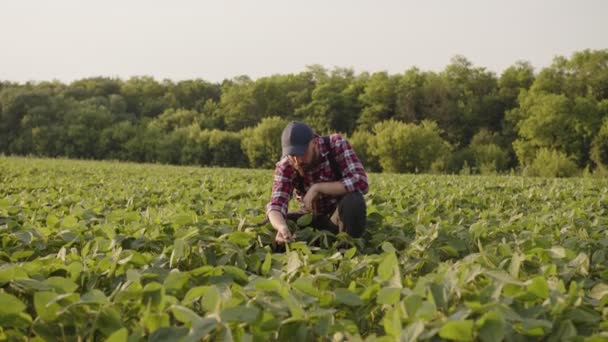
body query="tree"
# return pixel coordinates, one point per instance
(90, 87)
(191, 94)
(145, 97)
(334, 105)
(402, 147)
(238, 107)
(377, 99)
(555, 122)
(172, 119)
(599, 147)
(113, 140)
(513, 80)
(551, 163)
(262, 144)
(409, 96)
(83, 125)
(583, 75)
(474, 96)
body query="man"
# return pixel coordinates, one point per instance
(328, 179)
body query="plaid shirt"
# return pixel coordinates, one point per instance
(353, 177)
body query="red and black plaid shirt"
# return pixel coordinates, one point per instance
(354, 177)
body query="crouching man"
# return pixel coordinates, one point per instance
(328, 179)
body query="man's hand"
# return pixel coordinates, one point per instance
(310, 198)
(283, 235)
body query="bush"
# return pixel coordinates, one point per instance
(489, 158)
(225, 148)
(402, 147)
(551, 163)
(599, 148)
(262, 144)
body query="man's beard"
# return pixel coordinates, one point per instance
(313, 163)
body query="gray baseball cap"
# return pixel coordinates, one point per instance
(295, 138)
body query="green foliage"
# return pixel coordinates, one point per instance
(556, 122)
(402, 147)
(262, 144)
(378, 99)
(487, 154)
(551, 163)
(560, 108)
(334, 102)
(599, 149)
(116, 251)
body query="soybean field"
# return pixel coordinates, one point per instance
(108, 251)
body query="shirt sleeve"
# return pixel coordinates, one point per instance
(354, 177)
(282, 188)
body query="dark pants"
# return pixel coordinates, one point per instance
(351, 211)
(319, 222)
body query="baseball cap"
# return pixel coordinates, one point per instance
(295, 138)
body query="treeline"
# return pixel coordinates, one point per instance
(461, 119)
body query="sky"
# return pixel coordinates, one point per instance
(67, 40)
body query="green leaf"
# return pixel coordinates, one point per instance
(10, 304)
(69, 222)
(412, 304)
(241, 313)
(387, 266)
(599, 291)
(154, 295)
(176, 281)
(539, 287)
(237, 274)
(52, 221)
(388, 295)
(178, 252)
(182, 219)
(492, 326)
(109, 320)
(194, 294)
(61, 285)
(267, 284)
(350, 253)
(304, 220)
(267, 264)
(536, 327)
(344, 296)
(11, 273)
(212, 299)
(457, 330)
(305, 284)
(565, 331)
(241, 239)
(412, 331)
(46, 311)
(120, 335)
(295, 307)
(25, 237)
(94, 297)
(392, 323)
(168, 334)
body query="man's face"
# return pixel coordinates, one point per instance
(308, 160)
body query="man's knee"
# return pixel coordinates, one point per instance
(353, 213)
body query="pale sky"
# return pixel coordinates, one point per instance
(214, 40)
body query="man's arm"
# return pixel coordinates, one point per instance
(354, 177)
(276, 210)
(326, 188)
(277, 220)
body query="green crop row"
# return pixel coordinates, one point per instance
(128, 252)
